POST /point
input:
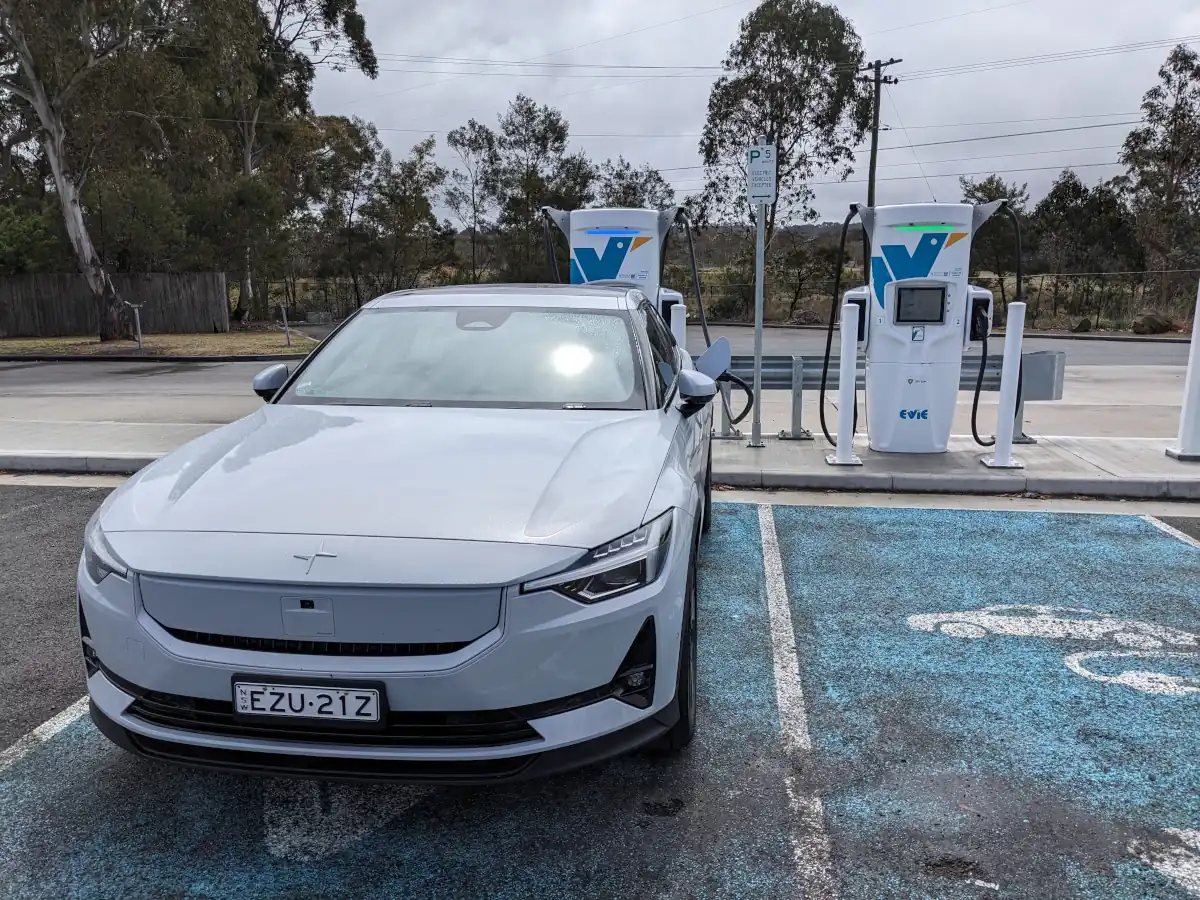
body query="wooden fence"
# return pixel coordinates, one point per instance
(63, 305)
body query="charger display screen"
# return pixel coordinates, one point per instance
(920, 305)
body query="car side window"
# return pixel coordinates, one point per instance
(662, 345)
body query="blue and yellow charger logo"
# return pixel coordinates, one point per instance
(588, 265)
(897, 263)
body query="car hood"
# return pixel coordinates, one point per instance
(574, 478)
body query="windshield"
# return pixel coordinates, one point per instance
(487, 356)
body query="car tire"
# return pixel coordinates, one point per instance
(706, 520)
(681, 733)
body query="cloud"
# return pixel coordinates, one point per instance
(671, 105)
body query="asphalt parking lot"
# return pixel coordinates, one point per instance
(899, 703)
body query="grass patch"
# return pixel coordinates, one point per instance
(233, 343)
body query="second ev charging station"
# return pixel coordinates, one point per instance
(916, 316)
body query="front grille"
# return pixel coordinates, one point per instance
(489, 728)
(313, 648)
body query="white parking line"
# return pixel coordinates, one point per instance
(41, 734)
(1173, 532)
(810, 843)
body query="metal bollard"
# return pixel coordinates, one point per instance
(1014, 332)
(798, 432)
(1187, 448)
(679, 325)
(847, 389)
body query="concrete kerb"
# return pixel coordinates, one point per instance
(1117, 488)
(75, 463)
(1130, 488)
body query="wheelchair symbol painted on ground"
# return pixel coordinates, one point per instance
(1153, 659)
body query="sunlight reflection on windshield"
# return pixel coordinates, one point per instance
(571, 360)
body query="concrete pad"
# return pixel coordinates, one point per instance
(98, 438)
(1052, 468)
(1125, 458)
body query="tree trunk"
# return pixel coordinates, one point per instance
(246, 295)
(110, 311)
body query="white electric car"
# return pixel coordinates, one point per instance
(457, 544)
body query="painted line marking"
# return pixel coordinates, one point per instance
(22, 509)
(991, 886)
(1181, 862)
(44, 732)
(810, 843)
(1173, 532)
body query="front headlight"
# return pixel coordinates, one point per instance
(630, 562)
(99, 559)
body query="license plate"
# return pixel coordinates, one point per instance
(301, 701)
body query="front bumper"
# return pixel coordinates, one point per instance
(315, 763)
(545, 648)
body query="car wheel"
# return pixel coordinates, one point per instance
(682, 732)
(706, 522)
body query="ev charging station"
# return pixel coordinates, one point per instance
(914, 319)
(617, 245)
(629, 246)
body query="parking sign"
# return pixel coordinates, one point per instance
(760, 173)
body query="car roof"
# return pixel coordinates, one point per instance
(609, 296)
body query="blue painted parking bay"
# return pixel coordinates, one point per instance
(988, 704)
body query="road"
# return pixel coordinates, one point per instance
(811, 342)
(849, 744)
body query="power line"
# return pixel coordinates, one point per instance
(972, 12)
(527, 74)
(916, 159)
(1110, 115)
(694, 134)
(996, 137)
(576, 47)
(1064, 56)
(955, 158)
(1059, 168)
(536, 65)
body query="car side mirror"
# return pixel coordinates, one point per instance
(696, 391)
(716, 360)
(268, 382)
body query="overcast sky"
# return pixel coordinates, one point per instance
(668, 106)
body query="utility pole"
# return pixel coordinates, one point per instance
(876, 69)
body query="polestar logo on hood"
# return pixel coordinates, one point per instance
(313, 557)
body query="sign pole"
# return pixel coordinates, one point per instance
(760, 191)
(759, 264)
